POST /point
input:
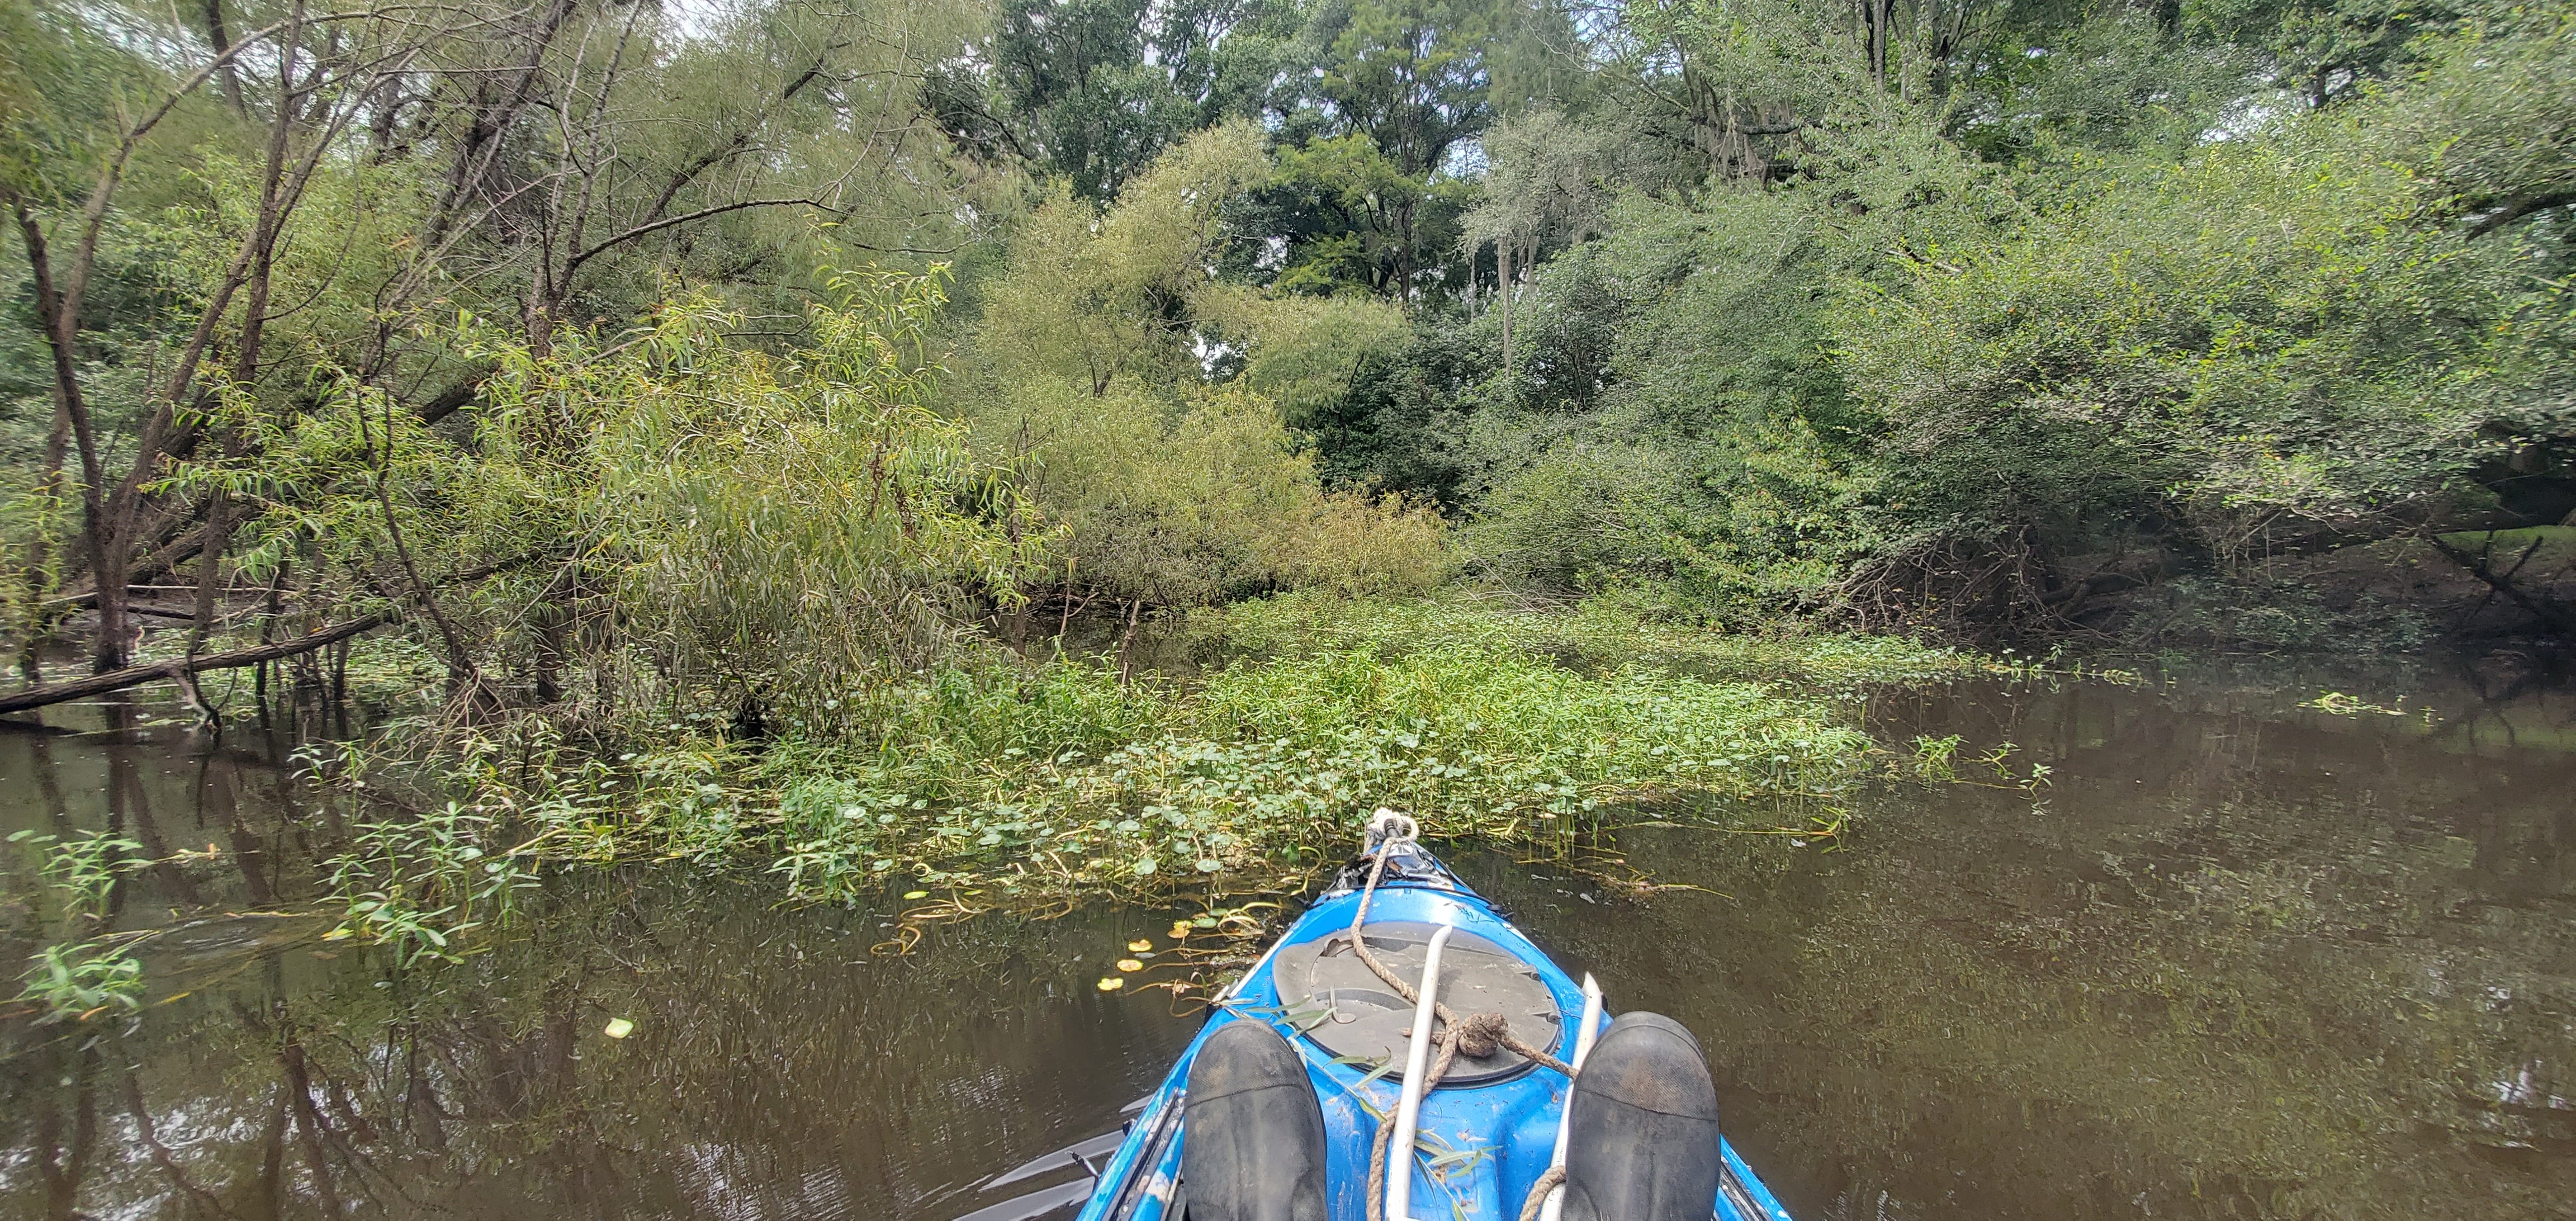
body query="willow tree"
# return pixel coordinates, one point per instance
(282, 196)
(1547, 183)
(1142, 398)
(304, 84)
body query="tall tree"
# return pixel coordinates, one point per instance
(1548, 182)
(1093, 90)
(323, 194)
(1379, 139)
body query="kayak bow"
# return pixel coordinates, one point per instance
(1485, 1131)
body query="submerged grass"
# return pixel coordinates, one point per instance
(992, 780)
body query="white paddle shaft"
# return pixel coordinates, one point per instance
(1583, 1036)
(1417, 1065)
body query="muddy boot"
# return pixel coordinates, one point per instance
(1252, 1134)
(1642, 1144)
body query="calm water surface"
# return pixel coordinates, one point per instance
(2237, 959)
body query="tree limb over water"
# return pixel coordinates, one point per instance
(136, 676)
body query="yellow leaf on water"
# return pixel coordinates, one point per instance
(1111, 983)
(916, 894)
(1140, 946)
(1180, 929)
(1130, 964)
(618, 1028)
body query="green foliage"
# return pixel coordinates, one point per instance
(1369, 107)
(420, 884)
(2114, 80)
(2492, 120)
(1059, 780)
(78, 979)
(2258, 334)
(1935, 758)
(85, 970)
(1700, 315)
(1098, 352)
(1598, 633)
(2331, 50)
(63, 77)
(1678, 420)
(1098, 300)
(82, 869)
(670, 510)
(2000, 316)
(792, 525)
(1547, 180)
(1397, 426)
(1093, 90)
(1366, 198)
(1208, 506)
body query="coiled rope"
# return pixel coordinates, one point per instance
(1489, 1035)
(1478, 1035)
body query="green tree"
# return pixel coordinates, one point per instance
(1143, 399)
(2275, 345)
(1547, 182)
(1378, 141)
(1093, 90)
(215, 216)
(2331, 50)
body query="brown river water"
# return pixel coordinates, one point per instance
(2237, 958)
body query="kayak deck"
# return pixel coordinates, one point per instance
(1481, 1145)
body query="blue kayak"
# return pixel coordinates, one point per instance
(1485, 1130)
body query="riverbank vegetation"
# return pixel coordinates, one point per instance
(706, 427)
(1057, 780)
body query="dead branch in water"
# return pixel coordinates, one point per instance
(183, 671)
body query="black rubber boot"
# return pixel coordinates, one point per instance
(1252, 1134)
(1643, 1141)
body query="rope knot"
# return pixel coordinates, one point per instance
(1481, 1034)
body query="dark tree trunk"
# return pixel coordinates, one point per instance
(221, 40)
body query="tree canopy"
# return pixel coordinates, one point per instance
(1957, 314)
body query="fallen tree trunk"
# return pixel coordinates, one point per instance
(87, 600)
(136, 676)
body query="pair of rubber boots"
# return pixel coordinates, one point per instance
(1643, 1144)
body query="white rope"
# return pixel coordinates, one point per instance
(1391, 831)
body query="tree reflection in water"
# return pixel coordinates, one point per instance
(2240, 960)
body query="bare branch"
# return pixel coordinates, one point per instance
(136, 676)
(685, 218)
